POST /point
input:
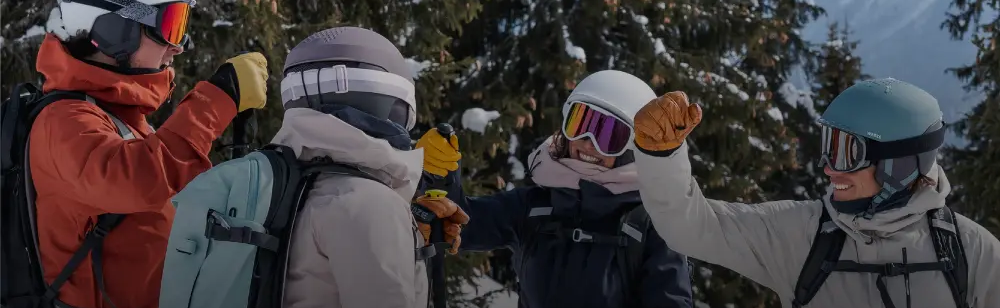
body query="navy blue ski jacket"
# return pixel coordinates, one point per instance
(555, 273)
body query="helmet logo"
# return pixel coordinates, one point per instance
(874, 135)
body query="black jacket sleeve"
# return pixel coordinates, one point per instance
(494, 220)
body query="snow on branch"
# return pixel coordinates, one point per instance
(477, 119)
(572, 50)
(417, 67)
(795, 97)
(517, 169)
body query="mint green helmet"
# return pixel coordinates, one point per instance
(891, 124)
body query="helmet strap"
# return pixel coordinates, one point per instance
(122, 59)
(894, 175)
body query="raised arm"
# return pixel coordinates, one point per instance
(141, 174)
(765, 242)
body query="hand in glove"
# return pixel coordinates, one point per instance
(440, 155)
(664, 123)
(244, 78)
(451, 215)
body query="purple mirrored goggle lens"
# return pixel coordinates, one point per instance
(608, 133)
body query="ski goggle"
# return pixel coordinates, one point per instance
(610, 135)
(167, 22)
(172, 22)
(843, 151)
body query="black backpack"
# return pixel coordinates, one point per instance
(824, 258)
(634, 226)
(21, 279)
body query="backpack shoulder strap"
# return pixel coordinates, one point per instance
(58, 95)
(634, 227)
(94, 241)
(324, 165)
(949, 248)
(533, 221)
(821, 261)
(537, 214)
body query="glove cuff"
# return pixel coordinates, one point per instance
(422, 214)
(661, 153)
(225, 79)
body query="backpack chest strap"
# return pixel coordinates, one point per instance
(580, 235)
(888, 269)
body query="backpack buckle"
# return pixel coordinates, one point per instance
(581, 237)
(947, 264)
(894, 269)
(98, 231)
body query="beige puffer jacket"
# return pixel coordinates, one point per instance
(769, 242)
(354, 241)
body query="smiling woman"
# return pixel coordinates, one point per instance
(582, 220)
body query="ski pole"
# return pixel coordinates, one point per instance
(439, 288)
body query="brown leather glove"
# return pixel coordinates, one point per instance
(664, 123)
(453, 216)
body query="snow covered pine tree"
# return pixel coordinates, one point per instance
(834, 67)
(974, 167)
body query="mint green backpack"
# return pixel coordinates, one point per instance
(228, 247)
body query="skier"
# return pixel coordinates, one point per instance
(93, 156)
(579, 234)
(349, 96)
(883, 235)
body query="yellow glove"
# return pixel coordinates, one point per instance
(440, 155)
(244, 78)
(665, 122)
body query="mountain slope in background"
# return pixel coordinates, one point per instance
(903, 39)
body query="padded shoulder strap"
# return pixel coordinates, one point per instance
(949, 248)
(54, 96)
(533, 220)
(823, 256)
(94, 241)
(635, 226)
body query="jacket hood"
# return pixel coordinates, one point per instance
(580, 189)
(568, 172)
(64, 72)
(888, 222)
(314, 134)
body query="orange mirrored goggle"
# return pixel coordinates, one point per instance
(172, 22)
(167, 22)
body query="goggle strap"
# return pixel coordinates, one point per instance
(101, 4)
(905, 147)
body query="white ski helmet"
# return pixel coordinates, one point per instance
(71, 17)
(618, 92)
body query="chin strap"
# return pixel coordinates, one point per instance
(877, 201)
(122, 59)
